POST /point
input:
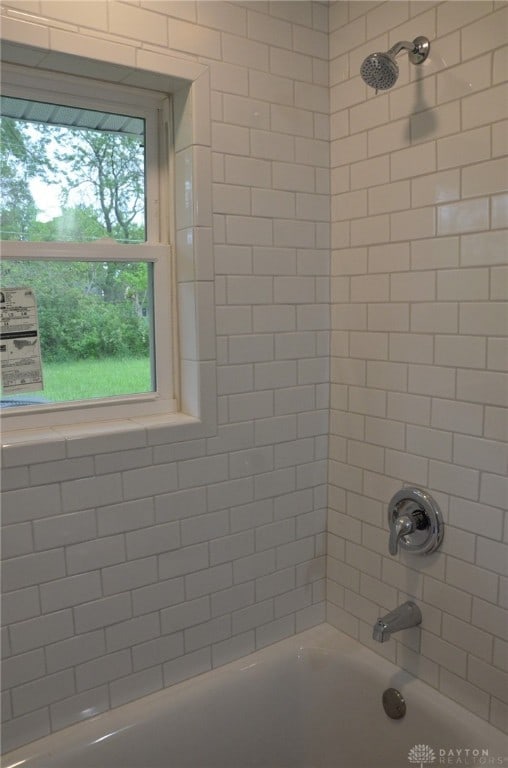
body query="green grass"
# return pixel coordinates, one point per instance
(84, 379)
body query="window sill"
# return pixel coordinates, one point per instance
(26, 446)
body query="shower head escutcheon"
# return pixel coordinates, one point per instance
(380, 70)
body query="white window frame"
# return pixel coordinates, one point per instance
(154, 107)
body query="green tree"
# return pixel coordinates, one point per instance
(111, 166)
(18, 163)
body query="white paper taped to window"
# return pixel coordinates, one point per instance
(20, 350)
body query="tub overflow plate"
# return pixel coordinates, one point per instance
(394, 704)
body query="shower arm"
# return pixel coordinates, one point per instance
(418, 50)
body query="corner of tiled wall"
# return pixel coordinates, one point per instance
(419, 350)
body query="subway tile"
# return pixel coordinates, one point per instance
(436, 122)
(369, 345)
(389, 197)
(413, 286)
(413, 409)
(40, 693)
(36, 568)
(91, 492)
(456, 218)
(247, 171)
(499, 138)
(497, 354)
(433, 443)
(290, 64)
(229, 78)
(388, 317)
(488, 678)
(414, 161)
(412, 225)
(492, 555)
(409, 468)
(223, 17)
(388, 258)
(20, 605)
(130, 575)
(457, 416)
(129, 23)
(17, 540)
(485, 107)
(64, 529)
(23, 668)
(70, 591)
(494, 490)
(462, 285)
(98, 671)
(455, 15)
(460, 351)
(484, 34)
(436, 317)
(40, 631)
(406, 347)
(387, 375)
(485, 178)
(448, 598)
(487, 248)
(436, 188)
(473, 145)
(243, 51)
(444, 653)
(499, 211)
(100, 613)
(464, 79)
(454, 479)
(385, 432)
(485, 387)
(490, 617)
(369, 173)
(185, 615)
(482, 454)
(388, 138)
(31, 503)
(438, 253)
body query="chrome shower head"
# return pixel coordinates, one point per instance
(380, 70)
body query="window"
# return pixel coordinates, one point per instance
(85, 220)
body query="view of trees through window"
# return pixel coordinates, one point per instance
(80, 185)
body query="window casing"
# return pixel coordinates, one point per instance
(154, 109)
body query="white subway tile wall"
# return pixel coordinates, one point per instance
(133, 561)
(417, 177)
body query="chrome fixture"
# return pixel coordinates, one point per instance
(406, 615)
(415, 522)
(380, 70)
(394, 703)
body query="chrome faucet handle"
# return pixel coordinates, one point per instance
(401, 527)
(415, 522)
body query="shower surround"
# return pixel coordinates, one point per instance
(418, 359)
(98, 609)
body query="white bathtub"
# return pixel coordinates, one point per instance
(312, 701)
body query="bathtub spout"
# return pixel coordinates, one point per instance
(406, 615)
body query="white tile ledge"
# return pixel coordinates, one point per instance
(11, 440)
